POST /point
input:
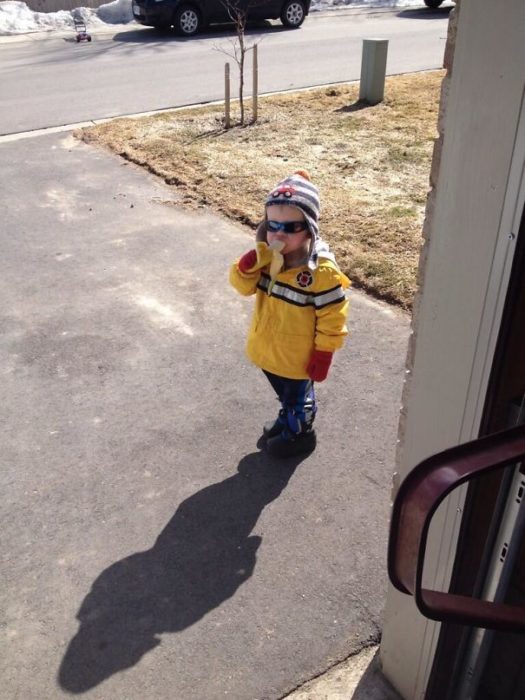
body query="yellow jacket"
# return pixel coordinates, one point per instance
(305, 309)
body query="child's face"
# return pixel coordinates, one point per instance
(284, 213)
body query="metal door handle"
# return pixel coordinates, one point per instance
(418, 498)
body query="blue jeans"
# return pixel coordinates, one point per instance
(297, 399)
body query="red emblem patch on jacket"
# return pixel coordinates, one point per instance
(304, 278)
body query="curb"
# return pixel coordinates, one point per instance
(15, 136)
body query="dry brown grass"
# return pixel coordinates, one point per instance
(371, 166)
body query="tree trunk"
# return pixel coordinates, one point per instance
(240, 28)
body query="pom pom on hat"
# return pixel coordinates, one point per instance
(303, 173)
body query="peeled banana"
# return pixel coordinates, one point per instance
(277, 258)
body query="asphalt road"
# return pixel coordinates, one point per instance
(52, 82)
(150, 549)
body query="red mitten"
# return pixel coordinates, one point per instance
(317, 368)
(247, 261)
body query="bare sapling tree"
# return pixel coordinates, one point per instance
(238, 12)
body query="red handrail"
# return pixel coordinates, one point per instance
(418, 498)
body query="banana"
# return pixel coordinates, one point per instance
(277, 259)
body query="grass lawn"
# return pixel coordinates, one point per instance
(371, 165)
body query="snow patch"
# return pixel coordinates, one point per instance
(318, 5)
(17, 18)
(117, 12)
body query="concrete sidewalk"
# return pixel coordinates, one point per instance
(357, 678)
(152, 550)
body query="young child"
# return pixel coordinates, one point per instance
(300, 309)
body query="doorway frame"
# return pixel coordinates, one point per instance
(463, 291)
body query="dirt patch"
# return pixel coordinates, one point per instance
(371, 165)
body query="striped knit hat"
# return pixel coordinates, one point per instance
(297, 191)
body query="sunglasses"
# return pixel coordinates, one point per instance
(286, 226)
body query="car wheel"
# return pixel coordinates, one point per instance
(433, 4)
(293, 14)
(186, 21)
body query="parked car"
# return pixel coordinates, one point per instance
(433, 4)
(188, 17)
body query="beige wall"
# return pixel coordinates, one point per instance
(54, 5)
(453, 328)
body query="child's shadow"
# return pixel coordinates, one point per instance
(199, 560)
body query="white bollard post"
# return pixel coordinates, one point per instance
(373, 70)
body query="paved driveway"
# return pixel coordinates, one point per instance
(152, 550)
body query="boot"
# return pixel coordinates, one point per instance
(276, 427)
(287, 445)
